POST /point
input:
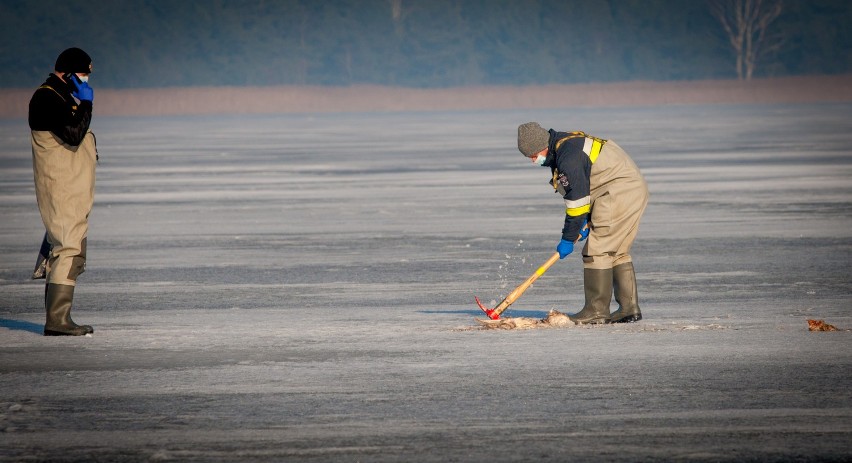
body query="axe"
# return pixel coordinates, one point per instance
(494, 313)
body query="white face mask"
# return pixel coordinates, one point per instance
(83, 79)
(540, 160)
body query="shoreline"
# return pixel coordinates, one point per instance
(373, 98)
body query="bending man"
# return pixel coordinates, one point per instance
(603, 189)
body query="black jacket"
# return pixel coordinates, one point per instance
(571, 168)
(53, 108)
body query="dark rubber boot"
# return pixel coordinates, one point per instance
(598, 288)
(57, 301)
(624, 283)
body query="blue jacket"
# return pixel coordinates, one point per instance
(570, 158)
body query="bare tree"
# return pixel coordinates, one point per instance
(746, 22)
(397, 14)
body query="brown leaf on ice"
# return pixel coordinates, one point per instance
(820, 325)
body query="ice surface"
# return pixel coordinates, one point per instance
(300, 288)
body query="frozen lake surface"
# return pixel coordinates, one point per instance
(300, 288)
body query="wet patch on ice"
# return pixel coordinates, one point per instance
(554, 319)
(674, 326)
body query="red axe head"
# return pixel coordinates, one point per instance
(492, 314)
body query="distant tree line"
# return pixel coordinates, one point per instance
(414, 43)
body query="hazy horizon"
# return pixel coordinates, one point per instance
(408, 43)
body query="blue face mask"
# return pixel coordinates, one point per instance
(540, 160)
(83, 79)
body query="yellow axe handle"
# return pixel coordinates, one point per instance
(516, 293)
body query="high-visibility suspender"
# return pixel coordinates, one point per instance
(54, 91)
(73, 107)
(592, 146)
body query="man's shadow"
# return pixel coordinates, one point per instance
(19, 325)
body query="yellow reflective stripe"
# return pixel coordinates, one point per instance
(596, 150)
(592, 148)
(578, 206)
(575, 211)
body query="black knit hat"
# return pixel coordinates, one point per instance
(532, 138)
(74, 60)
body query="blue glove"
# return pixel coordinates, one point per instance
(83, 92)
(584, 230)
(564, 248)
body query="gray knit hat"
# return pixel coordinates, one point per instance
(532, 138)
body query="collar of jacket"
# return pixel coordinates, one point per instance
(59, 85)
(550, 161)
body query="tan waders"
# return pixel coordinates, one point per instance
(619, 196)
(57, 301)
(598, 288)
(624, 283)
(65, 188)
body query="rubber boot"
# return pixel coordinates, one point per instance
(624, 283)
(57, 302)
(598, 288)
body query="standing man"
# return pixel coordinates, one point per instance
(603, 189)
(64, 157)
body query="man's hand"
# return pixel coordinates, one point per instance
(584, 230)
(564, 248)
(83, 92)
